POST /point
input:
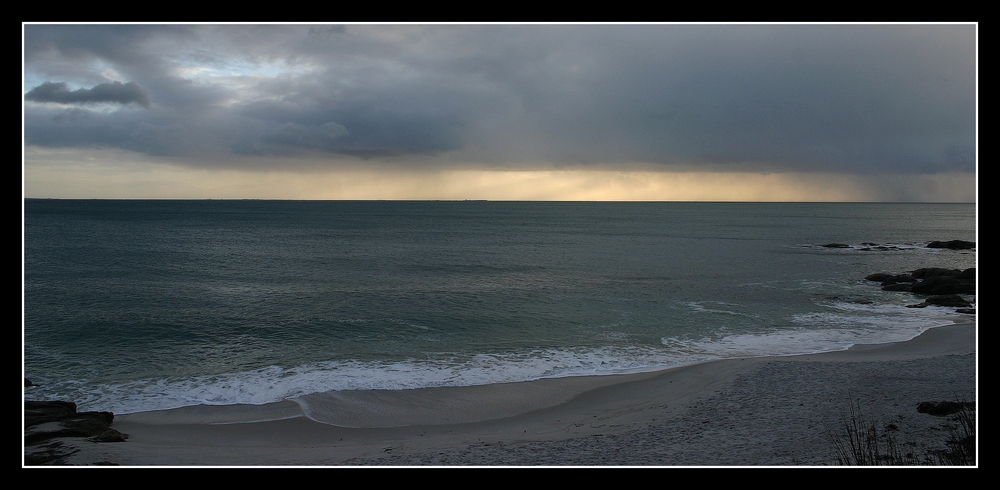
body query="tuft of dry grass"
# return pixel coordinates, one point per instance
(862, 442)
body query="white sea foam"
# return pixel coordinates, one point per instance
(275, 383)
(848, 324)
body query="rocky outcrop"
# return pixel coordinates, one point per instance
(883, 247)
(945, 285)
(48, 425)
(929, 281)
(942, 286)
(893, 282)
(943, 300)
(953, 244)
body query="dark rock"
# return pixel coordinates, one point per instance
(947, 300)
(953, 244)
(45, 421)
(46, 411)
(943, 300)
(930, 272)
(878, 276)
(941, 409)
(898, 278)
(944, 285)
(80, 424)
(109, 435)
(50, 453)
(836, 245)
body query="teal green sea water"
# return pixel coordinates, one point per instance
(142, 305)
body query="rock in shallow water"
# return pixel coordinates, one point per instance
(943, 300)
(952, 244)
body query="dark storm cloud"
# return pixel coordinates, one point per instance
(114, 92)
(80, 128)
(854, 98)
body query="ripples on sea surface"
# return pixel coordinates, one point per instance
(142, 305)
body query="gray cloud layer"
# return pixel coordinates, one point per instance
(115, 92)
(853, 98)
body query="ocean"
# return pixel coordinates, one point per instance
(137, 305)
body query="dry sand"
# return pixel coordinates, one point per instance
(757, 411)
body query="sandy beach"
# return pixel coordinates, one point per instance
(774, 411)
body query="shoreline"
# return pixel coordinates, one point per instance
(744, 411)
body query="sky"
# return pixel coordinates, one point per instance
(716, 112)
